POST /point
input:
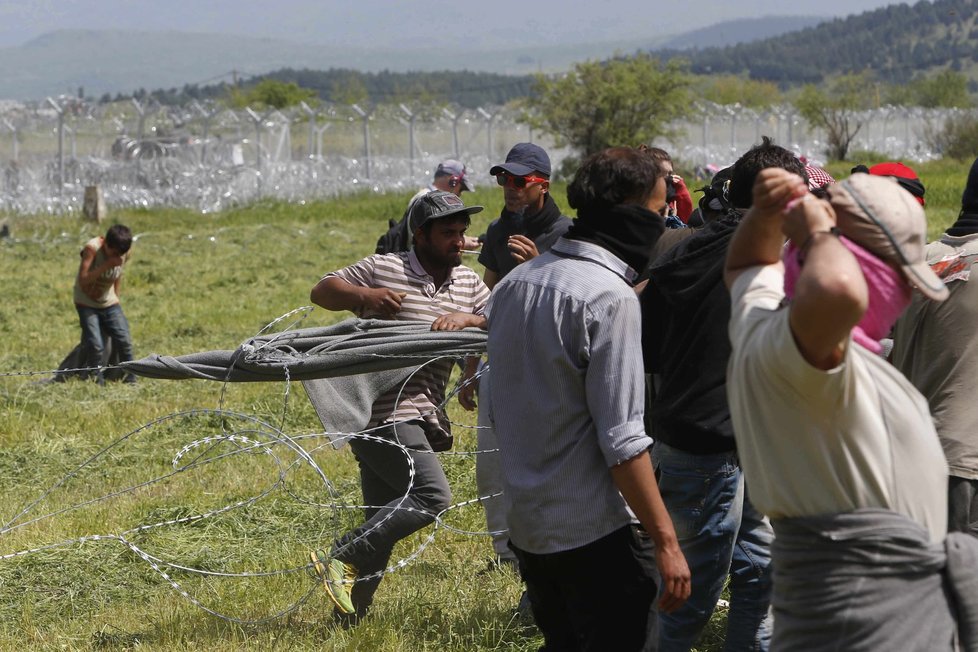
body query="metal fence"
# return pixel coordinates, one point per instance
(207, 157)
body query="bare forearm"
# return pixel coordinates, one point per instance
(336, 294)
(635, 480)
(830, 298)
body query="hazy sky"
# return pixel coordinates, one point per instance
(389, 24)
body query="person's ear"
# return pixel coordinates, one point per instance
(545, 186)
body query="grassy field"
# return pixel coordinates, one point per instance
(70, 452)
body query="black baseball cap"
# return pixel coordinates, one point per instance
(436, 205)
(524, 159)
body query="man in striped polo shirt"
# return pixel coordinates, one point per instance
(427, 283)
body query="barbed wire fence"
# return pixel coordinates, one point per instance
(208, 157)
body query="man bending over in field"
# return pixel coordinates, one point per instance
(96, 296)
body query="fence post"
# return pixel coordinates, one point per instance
(489, 117)
(454, 118)
(366, 138)
(61, 146)
(258, 120)
(411, 118)
(13, 134)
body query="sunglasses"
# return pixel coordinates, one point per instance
(513, 181)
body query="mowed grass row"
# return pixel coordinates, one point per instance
(200, 282)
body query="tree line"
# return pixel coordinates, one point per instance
(345, 86)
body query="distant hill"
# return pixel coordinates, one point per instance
(114, 61)
(744, 30)
(895, 42)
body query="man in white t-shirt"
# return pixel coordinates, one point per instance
(838, 447)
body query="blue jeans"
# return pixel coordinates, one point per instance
(721, 534)
(113, 321)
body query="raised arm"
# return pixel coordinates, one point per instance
(88, 274)
(830, 294)
(758, 239)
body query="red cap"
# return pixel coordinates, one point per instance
(904, 175)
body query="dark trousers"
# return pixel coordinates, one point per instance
(962, 505)
(398, 505)
(597, 597)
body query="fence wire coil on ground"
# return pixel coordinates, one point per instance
(233, 436)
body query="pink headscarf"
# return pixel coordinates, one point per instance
(889, 293)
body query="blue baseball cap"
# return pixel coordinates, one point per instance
(524, 159)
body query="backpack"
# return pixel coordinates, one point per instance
(398, 237)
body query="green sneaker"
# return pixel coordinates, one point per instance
(337, 577)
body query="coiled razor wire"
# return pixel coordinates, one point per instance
(258, 437)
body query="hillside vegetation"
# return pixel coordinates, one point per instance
(896, 45)
(896, 42)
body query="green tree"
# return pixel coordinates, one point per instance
(957, 139)
(945, 89)
(624, 101)
(349, 89)
(835, 109)
(731, 89)
(279, 95)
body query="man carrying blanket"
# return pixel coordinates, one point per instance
(426, 283)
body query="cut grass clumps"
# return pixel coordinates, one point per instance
(86, 460)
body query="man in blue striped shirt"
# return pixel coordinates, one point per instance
(565, 335)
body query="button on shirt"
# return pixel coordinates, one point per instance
(402, 272)
(567, 393)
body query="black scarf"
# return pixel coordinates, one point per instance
(530, 225)
(627, 231)
(967, 223)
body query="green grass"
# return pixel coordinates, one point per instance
(200, 282)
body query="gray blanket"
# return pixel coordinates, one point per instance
(354, 346)
(344, 367)
(871, 580)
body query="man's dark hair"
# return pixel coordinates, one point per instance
(757, 158)
(451, 219)
(659, 154)
(119, 237)
(614, 176)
